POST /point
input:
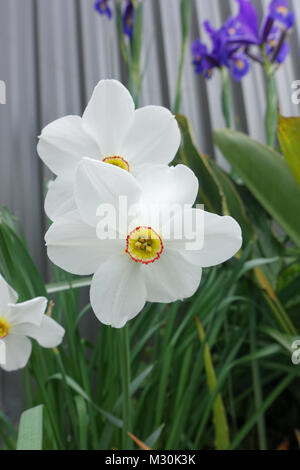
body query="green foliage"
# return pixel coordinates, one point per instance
(169, 403)
(267, 176)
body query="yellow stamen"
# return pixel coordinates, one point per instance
(144, 245)
(283, 10)
(240, 64)
(117, 161)
(4, 327)
(231, 31)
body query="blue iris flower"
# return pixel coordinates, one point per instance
(278, 11)
(231, 43)
(273, 34)
(102, 7)
(223, 54)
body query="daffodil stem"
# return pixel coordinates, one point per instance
(124, 350)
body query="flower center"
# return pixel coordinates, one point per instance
(231, 31)
(4, 328)
(240, 64)
(144, 245)
(117, 161)
(103, 5)
(283, 10)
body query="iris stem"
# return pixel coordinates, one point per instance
(271, 119)
(124, 351)
(226, 97)
(185, 26)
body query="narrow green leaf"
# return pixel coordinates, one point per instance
(153, 438)
(30, 436)
(220, 419)
(83, 421)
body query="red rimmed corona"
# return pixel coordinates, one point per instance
(117, 161)
(144, 245)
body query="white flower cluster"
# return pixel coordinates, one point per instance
(116, 151)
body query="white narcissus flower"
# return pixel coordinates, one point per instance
(18, 322)
(140, 265)
(110, 131)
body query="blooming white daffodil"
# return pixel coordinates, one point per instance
(18, 322)
(139, 260)
(110, 131)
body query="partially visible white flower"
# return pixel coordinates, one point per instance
(23, 320)
(139, 265)
(110, 131)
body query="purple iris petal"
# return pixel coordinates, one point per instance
(239, 66)
(102, 7)
(273, 44)
(244, 28)
(128, 19)
(283, 53)
(247, 21)
(219, 44)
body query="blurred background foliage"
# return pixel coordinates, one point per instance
(212, 372)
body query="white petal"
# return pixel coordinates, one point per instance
(153, 138)
(171, 278)
(60, 198)
(99, 183)
(109, 115)
(31, 311)
(48, 334)
(17, 352)
(222, 239)
(73, 245)
(64, 143)
(7, 295)
(118, 292)
(168, 185)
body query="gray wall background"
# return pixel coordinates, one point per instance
(52, 54)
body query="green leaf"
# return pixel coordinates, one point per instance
(267, 175)
(30, 436)
(83, 420)
(153, 438)
(220, 419)
(289, 138)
